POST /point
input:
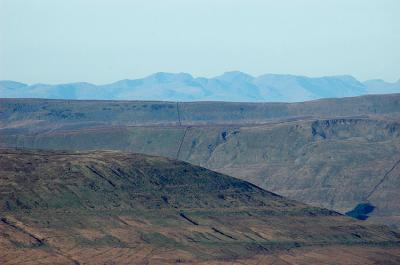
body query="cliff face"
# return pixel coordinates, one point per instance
(331, 153)
(107, 206)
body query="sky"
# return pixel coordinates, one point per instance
(98, 41)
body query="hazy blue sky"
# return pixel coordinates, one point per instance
(57, 41)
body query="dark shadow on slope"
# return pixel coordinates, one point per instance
(361, 211)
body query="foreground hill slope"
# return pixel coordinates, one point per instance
(112, 207)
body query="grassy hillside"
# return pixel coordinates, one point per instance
(112, 207)
(329, 163)
(335, 153)
(36, 115)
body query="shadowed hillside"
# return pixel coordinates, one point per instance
(102, 207)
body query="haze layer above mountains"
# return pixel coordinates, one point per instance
(231, 86)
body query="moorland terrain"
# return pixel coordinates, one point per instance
(341, 154)
(109, 207)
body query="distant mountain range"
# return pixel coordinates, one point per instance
(231, 86)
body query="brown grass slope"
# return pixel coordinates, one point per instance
(107, 207)
(335, 163)
(333, 153)
(36, 115)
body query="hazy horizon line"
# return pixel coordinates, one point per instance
(200, 76)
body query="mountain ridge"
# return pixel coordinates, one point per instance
(230, 86)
